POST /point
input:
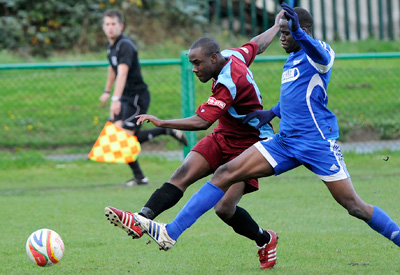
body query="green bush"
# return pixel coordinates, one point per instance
(40, 27)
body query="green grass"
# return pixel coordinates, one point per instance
(317, 236)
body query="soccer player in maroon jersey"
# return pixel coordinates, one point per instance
(234, 94)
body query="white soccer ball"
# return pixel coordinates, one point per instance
(45, 247)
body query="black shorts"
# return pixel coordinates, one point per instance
(131, 106)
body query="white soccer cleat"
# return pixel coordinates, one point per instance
(156, 231)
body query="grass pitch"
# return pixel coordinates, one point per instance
(316, 236)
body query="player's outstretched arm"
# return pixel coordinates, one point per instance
(264, 39)
(148, 118)
(193, 123)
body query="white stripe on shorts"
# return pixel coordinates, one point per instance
(266, 155)
(343, 173)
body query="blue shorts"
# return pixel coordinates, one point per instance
(321, 157)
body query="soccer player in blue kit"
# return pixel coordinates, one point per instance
(308, 133)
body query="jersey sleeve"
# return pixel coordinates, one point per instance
(217, 104)
(320, 53)
(246, 53)
(126, 53)
(277, 109)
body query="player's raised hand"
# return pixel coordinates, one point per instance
(263, 116)
(292, 18)
(279, 17)
(148, 118)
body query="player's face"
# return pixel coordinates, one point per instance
(288, 43)
(112, 27)
(203, 66)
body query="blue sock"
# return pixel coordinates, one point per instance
(202, 201)
(382, 223)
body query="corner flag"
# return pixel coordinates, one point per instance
(114, 145)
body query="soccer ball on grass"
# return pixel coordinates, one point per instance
(45, 247)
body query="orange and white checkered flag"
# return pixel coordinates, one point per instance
(114, 145)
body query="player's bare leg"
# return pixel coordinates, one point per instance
(249, 163)
(344, 193)
(193, 168)
(226, 207)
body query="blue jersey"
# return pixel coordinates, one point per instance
(303, 101)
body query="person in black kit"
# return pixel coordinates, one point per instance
(131, 96)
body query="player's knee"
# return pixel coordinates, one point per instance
(181, 177)
(222, 173)
(224, 211)
(353, 210)
(357, 211)
(219, 210)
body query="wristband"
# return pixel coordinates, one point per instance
(115, 98)
(106, 92)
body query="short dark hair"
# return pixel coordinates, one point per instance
(208, 45)
(305, 18)
(114, 13)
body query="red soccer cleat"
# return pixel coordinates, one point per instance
(267, 253)
(124, 220)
